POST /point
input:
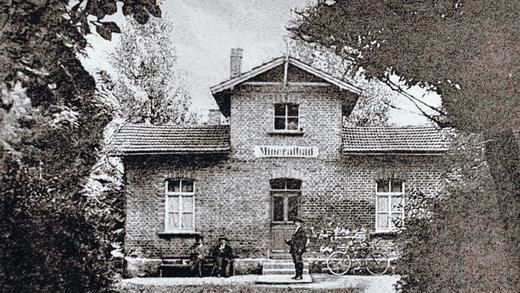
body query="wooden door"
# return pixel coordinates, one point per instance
(279, 233)
(284, 209)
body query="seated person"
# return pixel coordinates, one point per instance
(223, 256)
(198, 253)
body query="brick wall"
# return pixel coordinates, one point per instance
(252, 112)
(232, 194)
(232, 197)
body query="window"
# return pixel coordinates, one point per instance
(180, 205)
(389, 203)
(286, 117)
(285, 193)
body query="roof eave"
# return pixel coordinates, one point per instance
(222, 100)
(153, 153)
(394, 153)
(329, 78)
(245, 76)
(229, 84)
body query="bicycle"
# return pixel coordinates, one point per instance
(340, 262)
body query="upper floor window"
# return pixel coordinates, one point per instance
(389, 203)
(286, 117)
(285, 194)
(179, 205)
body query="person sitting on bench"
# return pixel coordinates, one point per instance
(223, 256)
(198, 253)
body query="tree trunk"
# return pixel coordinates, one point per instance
(502, 152)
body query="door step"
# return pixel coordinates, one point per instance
(281, 267)
(282, 271)
(284, 256)
(282, 280)
(273, 265)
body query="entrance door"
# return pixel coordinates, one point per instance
(285, 198)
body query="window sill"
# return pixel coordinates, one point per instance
(177, 233)
(384, 233)
(287, 132)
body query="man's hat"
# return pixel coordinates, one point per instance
(299, 220)
(199, 237)
(223, 238)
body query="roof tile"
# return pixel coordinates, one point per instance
(134, 139)
(411, 139)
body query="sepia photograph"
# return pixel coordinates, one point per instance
(353, 146)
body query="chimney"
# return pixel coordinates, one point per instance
(235, 62)
(214, 117)
(147, 115)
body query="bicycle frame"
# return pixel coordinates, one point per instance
(358, 258)
(362, 255)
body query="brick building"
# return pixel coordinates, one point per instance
(285, 153)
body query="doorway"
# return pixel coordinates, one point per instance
(285, 206)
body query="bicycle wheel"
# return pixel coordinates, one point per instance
(338, 263)
(377, 263)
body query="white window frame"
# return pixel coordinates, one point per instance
(180, 195)
(287, 117)
(389, 194)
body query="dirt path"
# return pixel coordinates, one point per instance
(246, 283)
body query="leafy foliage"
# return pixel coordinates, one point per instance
(147, 82)
(53, 237)
(372, 107)
(145, 65)
(40, 40)
(464, 51)
(472, 254)
(55, 242)
(461, 49)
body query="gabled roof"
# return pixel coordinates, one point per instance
(141, 139)
(228, 84)
(387, 140)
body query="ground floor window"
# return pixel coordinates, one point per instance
(389, 203)
(179, 205)
(285, 195)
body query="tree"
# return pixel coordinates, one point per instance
(54, 238)
(372, 107)
(420, 41)
(148, 83)
(145, 65)
(459, 244)
(463, 50)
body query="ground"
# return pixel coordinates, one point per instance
(246, 283)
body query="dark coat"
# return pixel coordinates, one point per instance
(227, 252)
(298, 241)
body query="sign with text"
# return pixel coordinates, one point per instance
(277, 151)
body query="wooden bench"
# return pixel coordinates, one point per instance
(175, 261)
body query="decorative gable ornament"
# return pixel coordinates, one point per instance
(281, 65)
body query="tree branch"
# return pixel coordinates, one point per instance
(415, 101)
(400, 90)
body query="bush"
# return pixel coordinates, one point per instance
(457, 242)
(54, 242)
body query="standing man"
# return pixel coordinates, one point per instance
(297, 245)
(198, 253)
